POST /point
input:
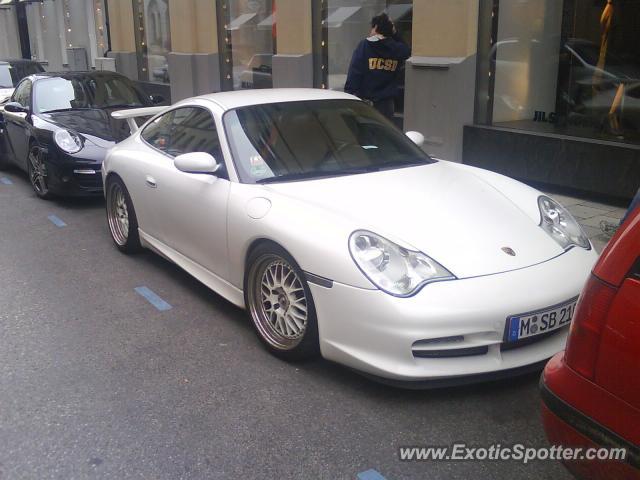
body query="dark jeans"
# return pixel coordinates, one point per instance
(385, 107)
(635, 203)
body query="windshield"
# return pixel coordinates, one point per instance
(83, 92)
(313, 139)
(11, 74)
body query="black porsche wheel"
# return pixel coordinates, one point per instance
(38, 173)
(280, 304)
(121, 216)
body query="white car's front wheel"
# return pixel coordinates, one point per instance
(121, 216)
(280, 304)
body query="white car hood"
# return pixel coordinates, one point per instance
(452, 215)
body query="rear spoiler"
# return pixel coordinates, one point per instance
(133, 113)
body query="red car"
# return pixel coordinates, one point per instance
(591, 392)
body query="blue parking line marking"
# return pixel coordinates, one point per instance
(56, 221)
(6, 181)
(153, 299)
(370, 475)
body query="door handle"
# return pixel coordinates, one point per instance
(151, 182)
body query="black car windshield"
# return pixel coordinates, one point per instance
(313, 139)
(84, 92)
(12, 73)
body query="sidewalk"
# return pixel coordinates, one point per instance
(589, 214)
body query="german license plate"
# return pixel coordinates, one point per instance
(541, 321)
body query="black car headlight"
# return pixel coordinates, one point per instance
(68, 142)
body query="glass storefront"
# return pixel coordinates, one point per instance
(347, 22)
(249, 43)
(568, 67)
(153, 39)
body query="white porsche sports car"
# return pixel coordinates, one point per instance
(341, 237)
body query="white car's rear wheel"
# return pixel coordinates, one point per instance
(121, 217)
(280, 304)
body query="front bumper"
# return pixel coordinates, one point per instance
(75, 175)
(385, 336)
(68, 181)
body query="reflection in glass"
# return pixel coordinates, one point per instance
(250, 37)
(569, 67)
(153, 39)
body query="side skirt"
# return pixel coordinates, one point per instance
(208, 278)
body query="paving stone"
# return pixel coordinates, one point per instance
(564, 199)
(582, 211)
(595, 221)
(617, 212)
(599, 242)
(601, 205)
(591, 231)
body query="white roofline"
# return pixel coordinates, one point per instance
(243, 98)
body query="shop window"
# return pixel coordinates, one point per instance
(249, 42)
(344, 24)
(568, 67)
(153, 39)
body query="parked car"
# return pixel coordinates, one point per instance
(340, 236)
(58, 127)
(591, 392)
(12, 71)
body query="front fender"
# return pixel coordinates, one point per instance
(317, 240)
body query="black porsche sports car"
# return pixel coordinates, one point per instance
(57, 127)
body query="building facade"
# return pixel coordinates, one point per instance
(543, 90)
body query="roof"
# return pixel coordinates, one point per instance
(243, 98)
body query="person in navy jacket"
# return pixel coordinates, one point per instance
(376, 66)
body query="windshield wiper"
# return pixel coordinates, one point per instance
(311, 175)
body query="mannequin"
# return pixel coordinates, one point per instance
(606, 22)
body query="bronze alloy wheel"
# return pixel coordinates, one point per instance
(117, 213)
(277, 302)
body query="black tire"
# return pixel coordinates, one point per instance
(269, 319)
(37, 170)
(125, 235)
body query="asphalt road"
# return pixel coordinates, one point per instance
(97, 383)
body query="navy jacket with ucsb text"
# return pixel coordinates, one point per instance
(375, 68)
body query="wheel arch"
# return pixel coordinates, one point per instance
(255, 243)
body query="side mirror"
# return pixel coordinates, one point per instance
(416, 137)
(157, 99)
(15, 107)
(196, 162)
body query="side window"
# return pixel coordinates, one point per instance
(194, 130)
(22, 94)
(158, 133)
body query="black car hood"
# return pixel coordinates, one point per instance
(91, 122)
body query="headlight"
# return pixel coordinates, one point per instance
(392, 268)
(560, 224)
(68, 141)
